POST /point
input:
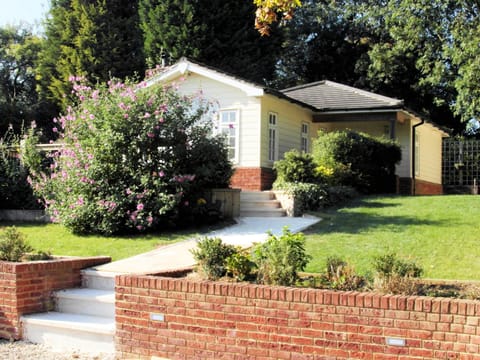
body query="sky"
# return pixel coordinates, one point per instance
(14, 12)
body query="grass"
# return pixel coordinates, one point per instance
(59, 241)
(438, 232)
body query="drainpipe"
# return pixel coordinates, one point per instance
(414, 127)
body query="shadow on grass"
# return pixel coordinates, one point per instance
(350, 219)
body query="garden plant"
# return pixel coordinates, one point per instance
(133, 158)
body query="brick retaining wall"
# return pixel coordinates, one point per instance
(27, 287)
(180, 319)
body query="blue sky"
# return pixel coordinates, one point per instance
(17, 11)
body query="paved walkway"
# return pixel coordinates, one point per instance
(178, 256)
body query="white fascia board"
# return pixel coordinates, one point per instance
(184, 67)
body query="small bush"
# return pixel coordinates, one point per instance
(309, 196)
(339, 275)
(240, 265)
(211, 256)
(395, 275)
(296, 167)
(279, 259)
(13, 245)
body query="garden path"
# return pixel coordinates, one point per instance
(244, 233)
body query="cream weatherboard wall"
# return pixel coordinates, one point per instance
(429, 150)
(290, 118)
(225, 97)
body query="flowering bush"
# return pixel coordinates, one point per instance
(132, 156)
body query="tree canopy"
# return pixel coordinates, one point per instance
(219, 33)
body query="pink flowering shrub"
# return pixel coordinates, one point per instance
(133, 157)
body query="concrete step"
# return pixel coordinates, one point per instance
(263, 213)
(102, 280)
(71, 332)
(92, 302)
(256, 195)
(270, 204)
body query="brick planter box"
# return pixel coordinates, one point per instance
(26, 287)
(181, 319)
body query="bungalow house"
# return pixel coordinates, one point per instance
(262, 124)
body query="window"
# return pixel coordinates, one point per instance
(228, 126)
(304, 139)
(272, 137)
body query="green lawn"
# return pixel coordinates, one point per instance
(59, 241)
(441, 233)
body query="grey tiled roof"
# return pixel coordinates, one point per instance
(328, 95)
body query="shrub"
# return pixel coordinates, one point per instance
(279, 259)
(240, 265)
(15, 191)
(308, 196)
(339, 275)
(133, 159)
(395, 275)
(13, 245)
(211, 256)
(295, 167)
(360, 160)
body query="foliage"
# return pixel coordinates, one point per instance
(219, 33)
(370, 161)
(279, 259)
(339, 275)
(240, 264)
(395, 275)
(131, 159)
(211, 256)
(295, 166)
(267, 11)
(15, 192)
(308, 196)
(325, 40)
(97, 39)
(19, 102)
(13, 245)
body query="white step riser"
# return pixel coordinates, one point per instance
(97, 280)
(68, 337)
(85, 307)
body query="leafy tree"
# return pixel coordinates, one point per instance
(19, 102)
(218, 33)
(324, 40)
(130, 160)
(267, 11)
(97, 39)
(410, 61)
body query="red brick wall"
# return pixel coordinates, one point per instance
(427, 188)
(26, 287)
(405, 187)
(208, 320)
(256, 179)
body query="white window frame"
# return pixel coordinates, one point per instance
(224, 128)
(304, 135)
(272, 136)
